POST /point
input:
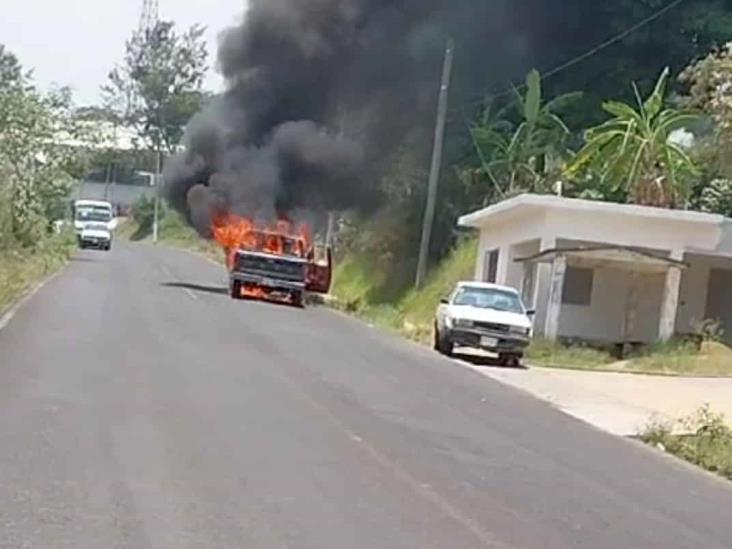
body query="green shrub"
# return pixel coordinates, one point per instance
(143, 213)
(706, 440)
(20, 267)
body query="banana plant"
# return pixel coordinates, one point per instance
(634, 149)
(521, 157)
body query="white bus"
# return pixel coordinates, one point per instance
(93, 211)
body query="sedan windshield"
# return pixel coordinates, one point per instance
(489, 298)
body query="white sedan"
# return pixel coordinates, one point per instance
(484, 316)
(96, 235)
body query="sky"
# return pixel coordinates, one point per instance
(77, 42)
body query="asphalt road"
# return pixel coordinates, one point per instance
(141, 408)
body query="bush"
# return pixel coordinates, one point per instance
(143, 212)
(706, 442)
(20, 267)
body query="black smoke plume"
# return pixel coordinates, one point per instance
(319, 93)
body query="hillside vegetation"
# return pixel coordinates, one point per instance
(173, 230)
(21, 268)
(361, 284)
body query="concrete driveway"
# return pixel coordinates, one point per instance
(622, 404)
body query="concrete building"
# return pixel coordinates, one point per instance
(610, 273)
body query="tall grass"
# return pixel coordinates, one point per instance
(358, 282)
(21, 268)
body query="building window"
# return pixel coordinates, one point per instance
(578, 285)
(490, 267)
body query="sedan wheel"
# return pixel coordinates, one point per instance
(442, 344)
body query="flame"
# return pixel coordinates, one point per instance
(234, 233)
(252, 291)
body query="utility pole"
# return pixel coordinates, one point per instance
(330, 231)
(149, 17)
(158, 180)
(331, 223)
(429, 213)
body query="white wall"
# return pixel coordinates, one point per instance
(503, 237)
(604, 318)
(693, 294)
(619, 230)
(650, 298)
(522, 235)
(514, 271)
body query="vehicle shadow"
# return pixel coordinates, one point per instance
(217, 290)
(486, 361)
(77, 258)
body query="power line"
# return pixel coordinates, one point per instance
(590, 53)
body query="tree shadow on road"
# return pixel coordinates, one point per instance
(217, 290)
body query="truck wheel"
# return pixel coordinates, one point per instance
(236, 290)
(443, 345)
(297, 299)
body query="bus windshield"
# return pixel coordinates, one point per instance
(94, 214)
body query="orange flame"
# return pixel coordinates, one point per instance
(234, 233)
(253, 291)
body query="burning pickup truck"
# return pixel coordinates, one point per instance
(273, 263)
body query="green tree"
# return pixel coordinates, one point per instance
(687, 31)
(12, 75)
(158, 87)
(709, 87)
(634, 150)
(523, 156)
(37, 166)
(716, 197)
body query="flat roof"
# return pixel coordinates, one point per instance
(511, 206)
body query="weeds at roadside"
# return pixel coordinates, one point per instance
(704, 440)
(543, 352)
(20, 268)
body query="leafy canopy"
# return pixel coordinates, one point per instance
(37, 166)
(158, 87)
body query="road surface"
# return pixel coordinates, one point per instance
(141, 408)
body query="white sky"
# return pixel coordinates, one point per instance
(77, 42)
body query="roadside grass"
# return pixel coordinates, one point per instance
(357, 284)
(551, 354)
(705, 440)
(419, 306)
(676, 358)
(21, 268)
(684, 359)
